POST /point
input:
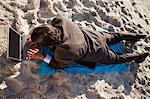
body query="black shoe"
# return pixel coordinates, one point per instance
(128, 57)
(129, 36)
(138, 37)
(141, 57)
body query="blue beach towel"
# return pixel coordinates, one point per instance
(45, 69)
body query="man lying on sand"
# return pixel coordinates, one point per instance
(73, 44)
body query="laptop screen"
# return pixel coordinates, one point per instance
(14, 44)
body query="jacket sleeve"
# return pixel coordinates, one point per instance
(62, 58)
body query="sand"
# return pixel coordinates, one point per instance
(18, 80)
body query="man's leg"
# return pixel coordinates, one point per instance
(137, 57)
(107, 56)
(112, 38)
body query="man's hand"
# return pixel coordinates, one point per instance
(35, 54)
(33, 51)
(30, 44)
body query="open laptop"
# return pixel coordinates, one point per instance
(16, 42)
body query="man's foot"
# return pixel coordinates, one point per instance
(130, 36)
(138, 37)
(128, 57)
(141, 57)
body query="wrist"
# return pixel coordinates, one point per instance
(42, 57)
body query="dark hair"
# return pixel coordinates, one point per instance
(45, 36)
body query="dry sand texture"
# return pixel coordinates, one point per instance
(114, 15)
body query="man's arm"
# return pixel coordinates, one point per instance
(62, 58)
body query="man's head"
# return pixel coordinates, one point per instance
(46, 36)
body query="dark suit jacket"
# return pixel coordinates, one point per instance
(79, 45)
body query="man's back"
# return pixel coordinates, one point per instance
(78, 44)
